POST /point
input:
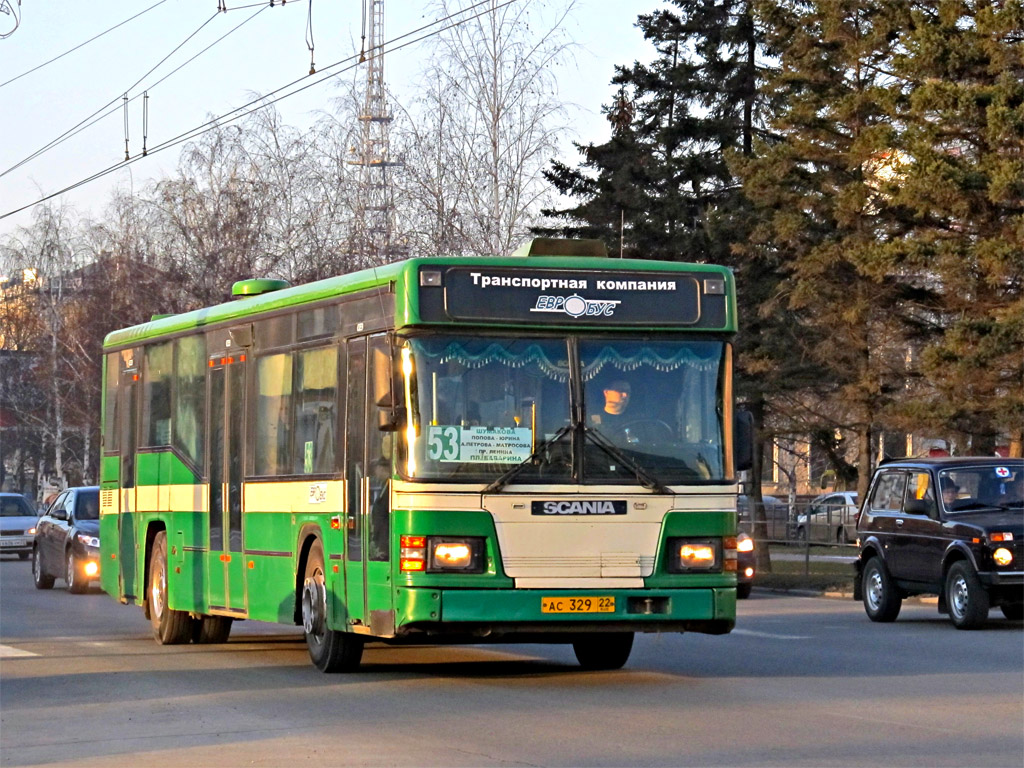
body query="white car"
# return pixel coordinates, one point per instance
(17, 525)
(833, 518)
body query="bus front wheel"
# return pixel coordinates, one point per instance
(603, 650)
(330, 650)
(170, 627)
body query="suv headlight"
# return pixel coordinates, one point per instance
(1003, 557)
(744, 543)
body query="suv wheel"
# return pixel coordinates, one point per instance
(881, 600)
(966, 598)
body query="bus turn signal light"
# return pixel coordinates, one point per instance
(413, 556)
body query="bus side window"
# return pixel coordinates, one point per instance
(316, 394)
(272, 414)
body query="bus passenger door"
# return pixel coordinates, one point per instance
(127, 550)
(355, 477)
(368, 479)
(377, 493)
(226, 557)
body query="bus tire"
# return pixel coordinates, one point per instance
(210, 630)
(330, 650)
(170, 627)
(603, 650)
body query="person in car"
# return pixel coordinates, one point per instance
(950, 490)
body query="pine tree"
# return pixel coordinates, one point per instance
(960, 188)
(661, 187)
(825, 221)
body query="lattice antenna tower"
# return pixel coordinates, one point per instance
(375, 203)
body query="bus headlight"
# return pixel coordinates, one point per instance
(448, 553)
(1003, 557)
(685, 555)
(442, 554)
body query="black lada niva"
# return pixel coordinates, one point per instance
(947, 526)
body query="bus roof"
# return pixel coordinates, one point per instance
(405, 275)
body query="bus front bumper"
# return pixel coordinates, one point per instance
(517, 613)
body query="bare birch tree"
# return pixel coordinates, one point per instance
(486, 124)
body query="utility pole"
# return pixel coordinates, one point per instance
(373, 239)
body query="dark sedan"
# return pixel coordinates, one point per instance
(952, 527)
(745, 565)
(67, 540)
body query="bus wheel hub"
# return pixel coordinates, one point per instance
(313, 604)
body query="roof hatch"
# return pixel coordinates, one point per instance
(257, 287)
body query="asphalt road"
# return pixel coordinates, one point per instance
(801, 682)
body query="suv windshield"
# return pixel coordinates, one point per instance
(481, 406)
(970, 488)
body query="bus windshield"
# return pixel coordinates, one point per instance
(484, 405)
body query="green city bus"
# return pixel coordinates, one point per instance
(535, 448)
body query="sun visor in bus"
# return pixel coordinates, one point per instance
(244, 289)
(557, 246)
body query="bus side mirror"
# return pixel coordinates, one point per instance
(743, 440)
(390, 419)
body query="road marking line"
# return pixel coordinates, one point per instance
(751, 633)
(8, 652)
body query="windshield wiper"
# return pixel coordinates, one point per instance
(507, 476)
(649, 482)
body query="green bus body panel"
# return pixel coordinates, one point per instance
(404, 276)
(109, 566)
(162, 468)
(110, 471)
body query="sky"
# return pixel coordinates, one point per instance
(61, 90)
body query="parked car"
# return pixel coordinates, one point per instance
(745, 565)
(947, 526)
(831, 517)
(17, 524)
(776, 513)
(67, 541)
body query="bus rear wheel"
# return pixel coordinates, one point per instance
(330, 650)
(603, 650)
(170, 627)
(208, 630)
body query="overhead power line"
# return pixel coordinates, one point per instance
(243, 111)
(81, 45)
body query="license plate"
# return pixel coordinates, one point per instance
(13, 542)
(577, 605)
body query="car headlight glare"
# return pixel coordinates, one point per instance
(744, 543)
(92, 569)
(1002, 556)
